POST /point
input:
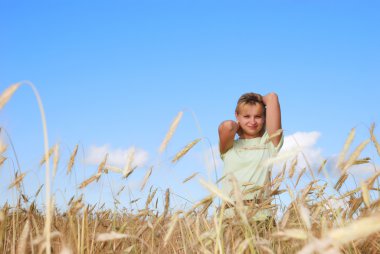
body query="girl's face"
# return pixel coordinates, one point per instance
(251, 120)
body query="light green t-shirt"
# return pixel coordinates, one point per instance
(245, 161)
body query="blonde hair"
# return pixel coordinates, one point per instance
(251, 99)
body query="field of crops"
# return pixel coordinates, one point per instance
(310, 223)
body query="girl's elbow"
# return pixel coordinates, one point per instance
(272, 96)
(227, 126)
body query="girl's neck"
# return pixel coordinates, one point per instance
(246, 136)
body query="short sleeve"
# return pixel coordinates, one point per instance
(279, 145)
(265, 140)
(222, 156)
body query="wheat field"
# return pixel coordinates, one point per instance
(310, 223)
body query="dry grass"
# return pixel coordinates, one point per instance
(310, 223)
(307, 225)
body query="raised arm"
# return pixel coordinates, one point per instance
(227, 131)
(273, 116)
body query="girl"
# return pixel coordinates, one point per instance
(258, 126)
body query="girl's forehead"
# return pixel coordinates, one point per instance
(251, 108)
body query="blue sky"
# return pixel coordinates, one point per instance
(114, 74)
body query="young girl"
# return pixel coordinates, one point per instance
(258, 120)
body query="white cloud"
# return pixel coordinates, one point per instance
(360, 171)
(364, 169)
(306, 142)
(116, 156)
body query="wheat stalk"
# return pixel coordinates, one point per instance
(128, 167)
(340, 182)
(167, 202)
(293, 167)
(372, 179)
(172, 225)
(7, 94)
(361, 228)
(43, 160)
(181, 153)
(17, 181)
(365, 194)
(72, 160)
(113, 169)
(291, 234)
(146, 177)
(300, 175)
(90, 180)
(346, 146)
(275, 134)
(2, 159)
(214, 190)
(55, 159)
(171, 131)
(305, 215)
(355, 155)
(21, 248)
(3, 147)
(322, 166)
(38, 191)
(150, 198)
(102, 164)
(190, 177)
(373, 138)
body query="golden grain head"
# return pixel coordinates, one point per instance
(7, 94)
(355, 154)
(346, 146)
(167, 202)
(146, 177)
(360, 228)
(55, 158)
(72, 160)
(293, 233)
(43, 160)
(215, 190)
(2, 159)
(365, 194)
(171, 131)
(374, 140)
(322, 166)
(110, 236)
(181, 153)
(22, 242)
(293, 167)
(274, 135)
(172, 225)
(190, 177)
(90, 180)
(17, 181)
(300, 175)
(3, 147)
(305, 216)
(102, 164)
